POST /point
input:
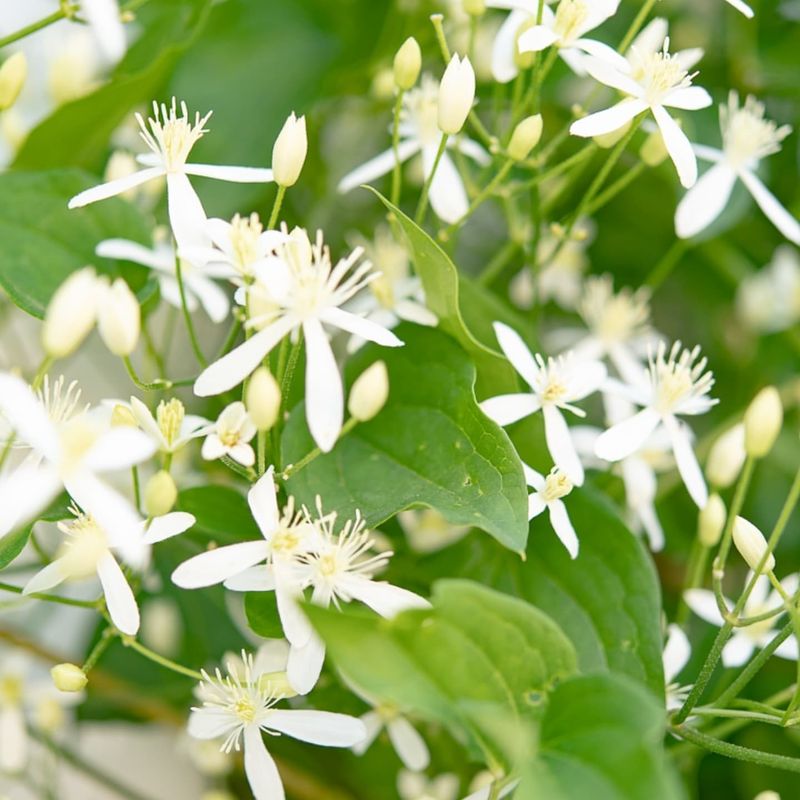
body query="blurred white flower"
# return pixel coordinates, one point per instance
(416, 786)
(170, 428)
(504, 49)
(677, 651)
(105, 23)
(427, 530)
(769, 300)
(231, 435)
(547, 495)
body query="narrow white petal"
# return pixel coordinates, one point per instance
(262, 774)
(120, 447)
(360, 326)
(560, 444)
(626, 437)
(652, 526)
(324, 393)
(27, 416)
(213, 448)
(408, 744)
(471, 149)
(213, 298)
(586, 379)
(609, 120)
(533, 478)
(686, 460)
(415, 312)
(535, 505)
(46, 578)
(296, 627)
(263, 502)
(738, 649)
(447, 193)
(678, 146)
(676, 653)
(14, 743)
(562, 525)
(690, 98)
(25, 492)
(376, 167)
(373, 724)
(517, 352)
(253, 579)
(787, 649)
(167, 526)
(651, 38)
(125, 250)
(222, 172)
(305, 665)
(770, 205)
(704, 604)
(318, 727)
(186, 215)
(113, 188)
(504, 49)
(705, 201)
(507, 408)
(382, 597)
(208, 723)
(119, 596)
(608, 74)
(537, 38)
(103, 17)
(602, 52)
(207, 569)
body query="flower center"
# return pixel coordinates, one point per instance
(422, 110)
(61, 404)
(11, 687)
(659, 73)
(556, 486)
(169, 416)
(746, 134)
(85, 545)
(244, 235)
(77, 437)
(678, 377)
(171, 136)
(244, 709)
(570, 16)
(285, 541)
(554, 390)
(328, 565)
(613, 317)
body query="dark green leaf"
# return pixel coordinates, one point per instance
(221, 512)
(262, 614)
(13, 544)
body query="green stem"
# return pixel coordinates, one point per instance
(612, 191)
(236, 326)
(187, 315)
(152, 351)
(276, 207)
(129, 641)
(50, 598)
(102, 645)
(562, 166)
(261, 452)
(137, 493)
(734, 713)
(396, 170)
(154, 386)
(36, 383)
(293, 469)
(441, 39)
(498, 263)
(636, 25)
(248, 473)
(664, 267)
(483, 195)
(67, 10)
(423, 200)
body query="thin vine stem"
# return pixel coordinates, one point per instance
(167, 663)
(51, 598)
(187, 315)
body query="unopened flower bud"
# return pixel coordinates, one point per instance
(653, 152)
(122, 416)
(68, 677)
(263, 399)
(369, 392)
(456, 95)
(119, 318)
(751, 544)
(12, 78)
(523, 59)
(407, 64)
(762, 422)
(160, 494)
(475, 8)
(608, 140)
(71, 313)
(289, 152)
(711, 521)
(525, 137)
(726, 458)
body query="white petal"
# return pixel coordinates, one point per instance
(602, 52)
(447, 193)
(222, 172)
(517, 352)
(120, 447)
(263, 503)
(739, 5)
(471, 149)
(411, 311)
(608, 74)
(626, 437)
(678, 147)
(112, 188)
(213, 298)
(585, 379)
(408, 744)
(213, 448)
(507, 408)
(382, 597)
(208, 723)
(103, 17)
(651, 38)
(360, 326)
(690, 98)
(609, 120)
(705, 201)
(533, 478)
(738, 649)
(125, 250)
(535, 505)
(537, 38)
(120, 601)
(324, 393)
(234, 367)
(168, 525)
(704, 604)
(46, 578)
(13, 739)
(652, 526)
(186, 215)
(686, 460)
(676, 653)
(560, 444)
(305, 665)
(27, 416)
(318, 727)
(207, 569)
(271, 657)
(378, 166)
(787, 649)
(262, 774)
(504, 49)
(562, 525)
(770, 205)
(253, 579)
(373, 724)
(296, 627)
(25, 492)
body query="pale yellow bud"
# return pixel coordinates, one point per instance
(369, 393)
(263, 399)
(762, 422)
(12, 78)
(751, 544)
(161, 627)
(726, 458)
(456, 95)
(122, 416)
(524, 60)
(160, 494)
(475, 8)
(407, 64)
(68, 677)
(608, 140)
(71, 313)
(119, 318)
(289, 152)
(653, 152)
(711, 521)
(525, 137)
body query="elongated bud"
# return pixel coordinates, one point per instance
(160, 494)
(119, 318)
(751, 544)
(68, 677)
(289, 152)
(456, 95)
(407, 64)
(475, 8)
(653, 152)
(525, 137)
(369, 392)
(12, 78)
(71, 313)
(263, 399)
(726, 458)
(711, 521)
(762, 422)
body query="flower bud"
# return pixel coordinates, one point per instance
(711, 521)
(71, 313)
(289, 151)
(160, 494)
(122, 416)
(369, 392)
(12, 78)
(407, 64)
(608, 140)
(726, 458)
(751, 544)
(68, 677)
(653, 152)
(475, 8)
(525, 137)
(119, 318)
(263, 399)
(456, 95)
(762, 422)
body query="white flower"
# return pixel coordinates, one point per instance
(547, 495)
(427, 530)
(304, 291)
(419, 133)
(104, 20)
(170, 135)
(416, 786)
(171, 428)
(69, 455)
(652, 81)
(677, 651)
(651, 41)
(197, 284)
(769, 300)
(566, 28)
(747, 138)
(745, 640)
(676, 383)
(232, 433)
(504, 49)
(239, 707)
(555, 384)
(90, 549)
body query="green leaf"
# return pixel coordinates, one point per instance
(13, 544)
(431, 445)
(43, 241)
(261, 609)
(221, 512)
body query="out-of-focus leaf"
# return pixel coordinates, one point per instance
(13, 544)
(261, 609)
(221, 512)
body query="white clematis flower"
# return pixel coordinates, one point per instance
(504, 50)
(428, 531)
(303, 290)
(547, 495)
(105, 23)
(555, 384)
(676, 384)
(566, 29)
(239, 707)
(745, 640)
(170, 134)
(232, 433)
(171, 428)
(655, 82)
(416, 786)
(747, 138)
(677, 651)
(769, 300)
(651, 39)
(419, 133)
